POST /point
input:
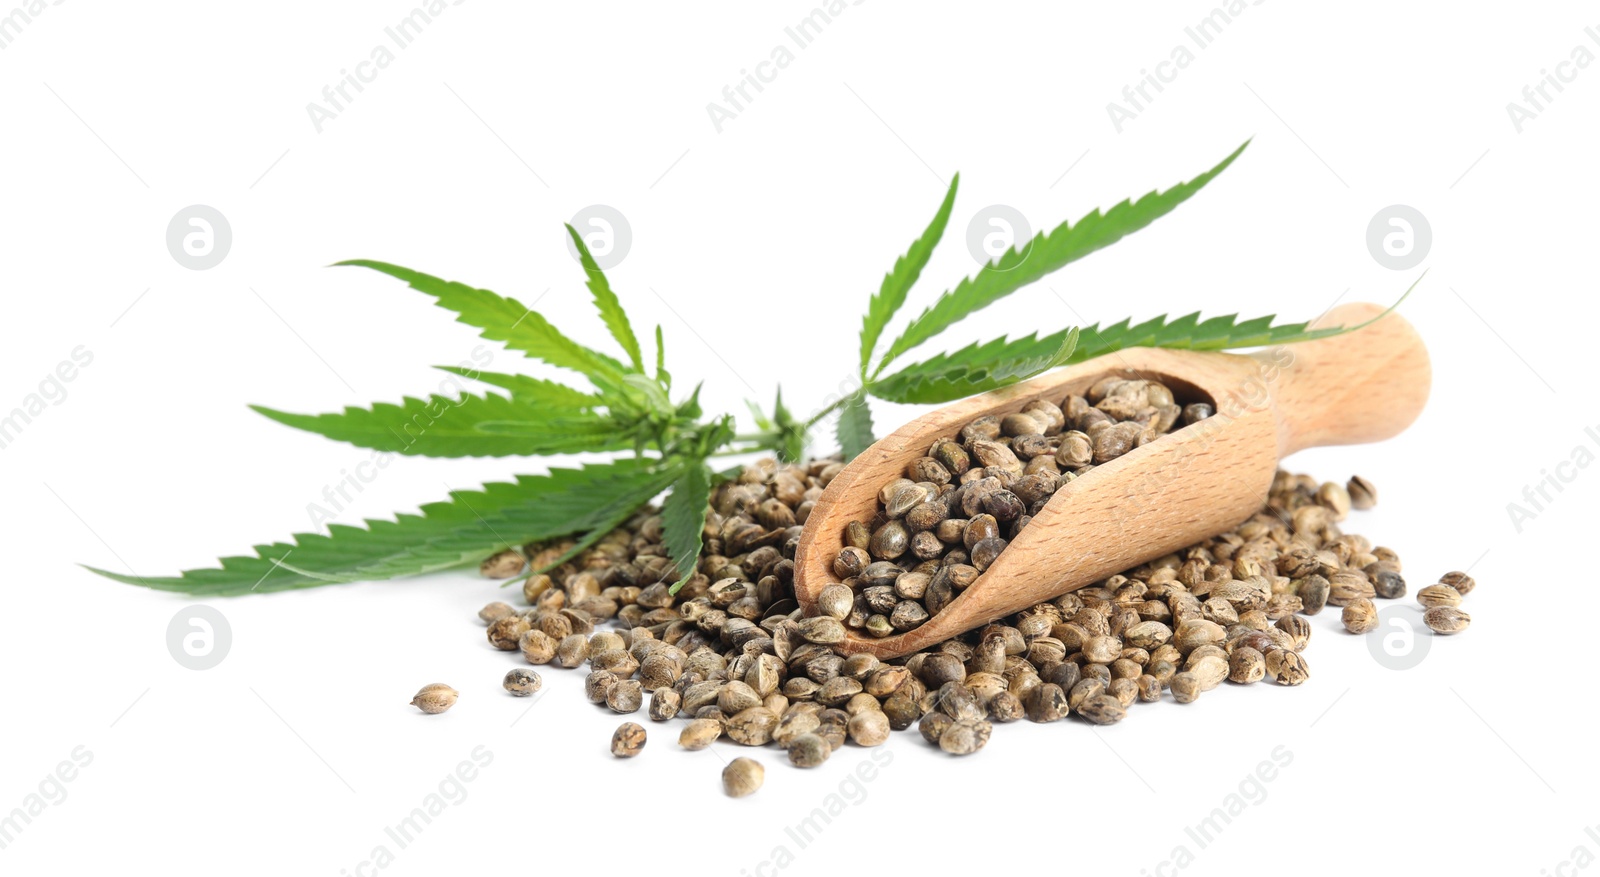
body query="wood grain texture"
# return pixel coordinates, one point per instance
(1196, 482)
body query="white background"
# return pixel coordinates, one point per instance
(757, 248)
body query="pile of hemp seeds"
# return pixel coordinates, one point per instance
(731, 654)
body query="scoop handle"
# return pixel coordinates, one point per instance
(1364, 386)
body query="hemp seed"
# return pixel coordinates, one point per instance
(522, 682)
(628, 740)
(436, 698)
(742, 776)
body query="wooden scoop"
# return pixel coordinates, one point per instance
(1193, 483)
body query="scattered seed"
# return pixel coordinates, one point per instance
(628, 740)
(436, 698)
(742, 776)
(1446, 619)
(1362, 494)
(522, 682)
(495, 611)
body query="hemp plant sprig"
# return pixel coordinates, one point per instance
(664, 444)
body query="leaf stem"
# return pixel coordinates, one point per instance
(829, 410)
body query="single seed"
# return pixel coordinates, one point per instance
(522, 682)
(537, 646)
(907, 498)
(503, 565)
(1246, 665)
(1313, 594)
(494, 612)
(793, 723)
(822, 630)
(850, 561)
(626, 696)
(597, 685)
(1360, 616)
(932, 726)
(1048, 703)
(1438, 595)
(436, 698)
(1287, 667)
(1103, 710)
(1362, 494)
(907, 614)
(912, 585)
(1006, 707)
(808, 750)
(752, 727)
(1462, 582)
(1389, 585)
(1102, 649)
(1297, 629)
(890, 541)
(1335, 498)
(965, 737)
(628, 740)
(742, 776)
(1446, 619)
(572, 651)
(985, 553)
(664, 704)
(736, 697)
(1185, 687)
(700, 733)
(506, 633)
(1209, 670)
